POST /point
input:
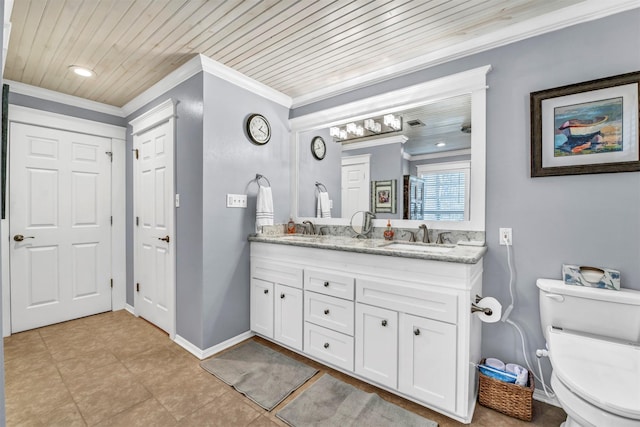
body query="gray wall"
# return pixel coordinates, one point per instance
(67, 110)
(189, 220)
(327, 171)
(584, 219)
(231, 162)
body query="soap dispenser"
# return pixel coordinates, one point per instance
(388, 233)
(291, 226)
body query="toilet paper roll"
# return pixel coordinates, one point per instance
(494, 305)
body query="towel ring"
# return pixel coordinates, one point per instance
(259, 177)
(320, 187)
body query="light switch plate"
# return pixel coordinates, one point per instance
(236, 200)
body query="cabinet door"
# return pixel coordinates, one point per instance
(377, 344)
(262, 307)
(427, 364)
(288, 316)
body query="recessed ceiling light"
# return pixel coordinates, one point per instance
(82, 71)
(441, 144)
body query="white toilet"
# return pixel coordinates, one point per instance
(593, 337)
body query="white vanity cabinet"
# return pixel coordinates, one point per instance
(427, 352)
(276, 302)
(403, 324)
(377, 344)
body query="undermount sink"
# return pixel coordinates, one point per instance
(299, 237)
(418, 248)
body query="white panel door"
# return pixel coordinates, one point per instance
(427, 363)
(60, 207)
(377, 344)
(355, 186)
(154, 265)
(261, 307)
(288, 316)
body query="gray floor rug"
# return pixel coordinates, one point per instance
(331, 402)
(263, 375)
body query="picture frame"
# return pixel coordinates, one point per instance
(585, 128)
(383, 196)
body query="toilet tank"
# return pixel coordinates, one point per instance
(614, 314)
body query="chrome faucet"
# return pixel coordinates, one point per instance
(309, 227)
(425, 235)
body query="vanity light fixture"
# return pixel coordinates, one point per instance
(373, 126)
(82, 71)
(441, 144)
(392, 121)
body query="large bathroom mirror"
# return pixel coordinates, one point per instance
(399, 155)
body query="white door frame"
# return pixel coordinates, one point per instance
(117, 134)
(164, 112)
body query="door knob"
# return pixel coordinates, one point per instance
(165, 238)
(20, 237)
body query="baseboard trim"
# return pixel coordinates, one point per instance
(130, 309)
(540, 396)
(203, 354)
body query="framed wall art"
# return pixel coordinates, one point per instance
(589, 127)
(383, 196)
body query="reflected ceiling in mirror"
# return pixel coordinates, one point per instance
(432, 128)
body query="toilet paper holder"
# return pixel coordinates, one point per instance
(475, 308)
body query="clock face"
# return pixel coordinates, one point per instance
(258, 129)
(318, 148)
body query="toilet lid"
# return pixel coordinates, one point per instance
(604, 372)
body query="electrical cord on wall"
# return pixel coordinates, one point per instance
(505, 318)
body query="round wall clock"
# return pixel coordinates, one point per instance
(318, 147)
(258, 129)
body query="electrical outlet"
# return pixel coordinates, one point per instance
(236, 200)
(506, 237)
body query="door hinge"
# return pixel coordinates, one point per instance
(135, 150)
(137, 287)
(111, 283)
(110, 154)
(137, 220)
(111, 219)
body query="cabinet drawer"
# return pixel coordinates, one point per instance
(277, 272)
(408, 298)
(330, 312)
(329, 346)
(329, 283)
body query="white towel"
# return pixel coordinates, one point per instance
(323, 208)
(264, 208)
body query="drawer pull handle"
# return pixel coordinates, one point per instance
(326, 284)
(266, 291)
(326, 345)
(326, 311)
(384, 323)
(416, 332)
(282, 296)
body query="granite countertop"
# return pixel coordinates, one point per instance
(469, 253)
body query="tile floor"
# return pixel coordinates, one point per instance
(114, 369)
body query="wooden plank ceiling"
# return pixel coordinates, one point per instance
(296, 47)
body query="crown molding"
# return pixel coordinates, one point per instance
(346, 146)
(171, 80)
(202, 63)
(63, 98)
(419, 94)
(218, 69)
(584, 11)
(440, 155)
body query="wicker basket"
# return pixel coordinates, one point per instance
(510, 399)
